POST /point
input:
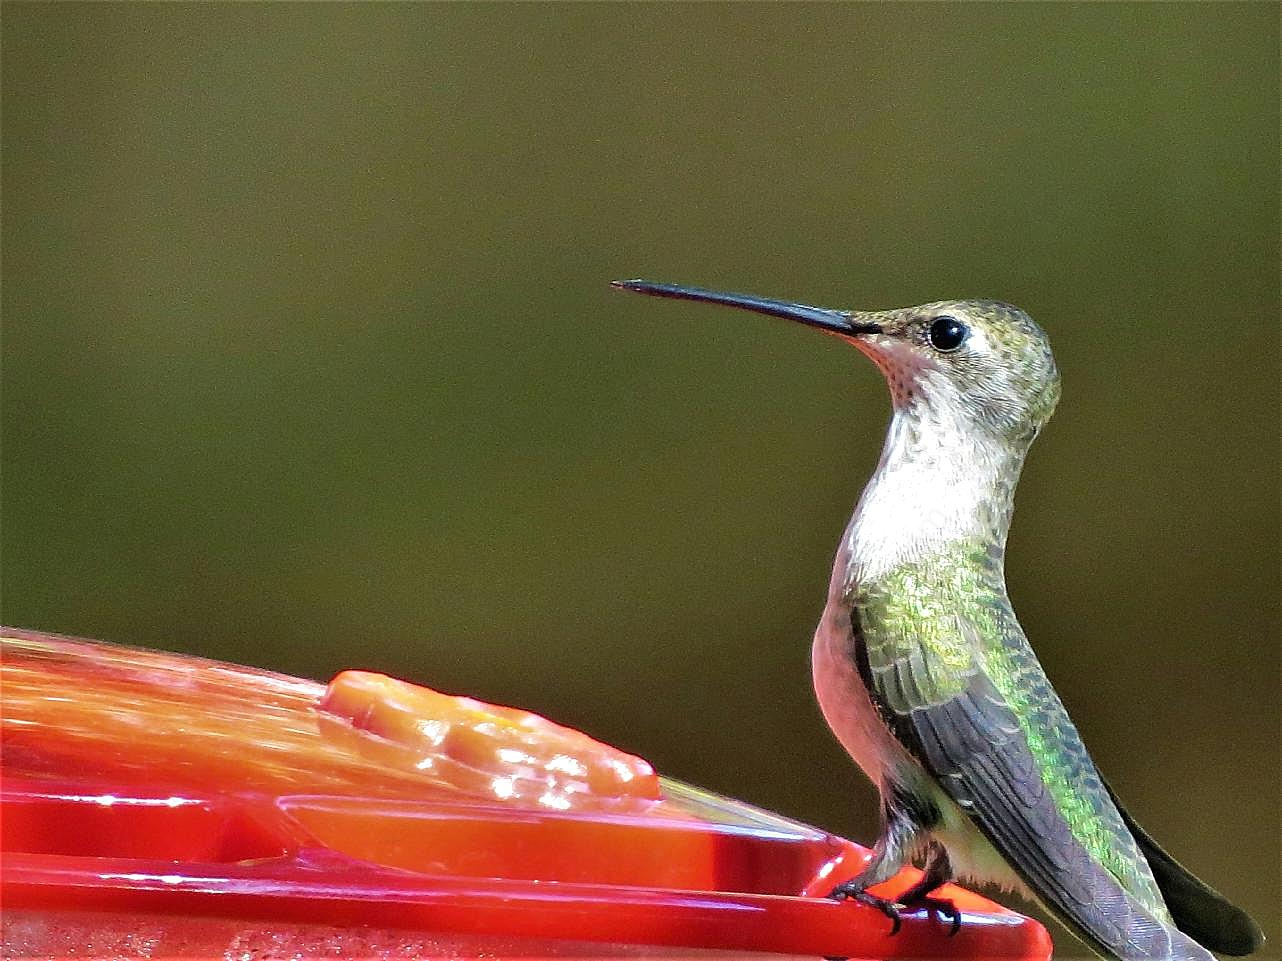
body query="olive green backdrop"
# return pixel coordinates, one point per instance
(310, 360)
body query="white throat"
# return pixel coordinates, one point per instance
(937, 482)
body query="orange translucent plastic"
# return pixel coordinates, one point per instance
(155, 805)
(482, 749)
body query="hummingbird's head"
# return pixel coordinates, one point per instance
(983, 364)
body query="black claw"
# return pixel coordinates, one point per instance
(944, 907)
(848, 889)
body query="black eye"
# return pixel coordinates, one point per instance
(947, 333)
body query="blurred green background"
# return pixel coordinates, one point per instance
(310, 360)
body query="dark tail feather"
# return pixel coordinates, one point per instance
(1115, 925)
(1199, 910)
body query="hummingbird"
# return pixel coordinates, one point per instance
(927, 679)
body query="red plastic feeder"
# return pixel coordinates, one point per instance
(157, 805)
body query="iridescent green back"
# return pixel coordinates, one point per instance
(931, 626)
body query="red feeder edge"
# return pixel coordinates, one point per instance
(157, 805)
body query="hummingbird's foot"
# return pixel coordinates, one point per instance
(855, 892)
(935, 873)
(942, 906)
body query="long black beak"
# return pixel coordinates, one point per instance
(832, 321)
